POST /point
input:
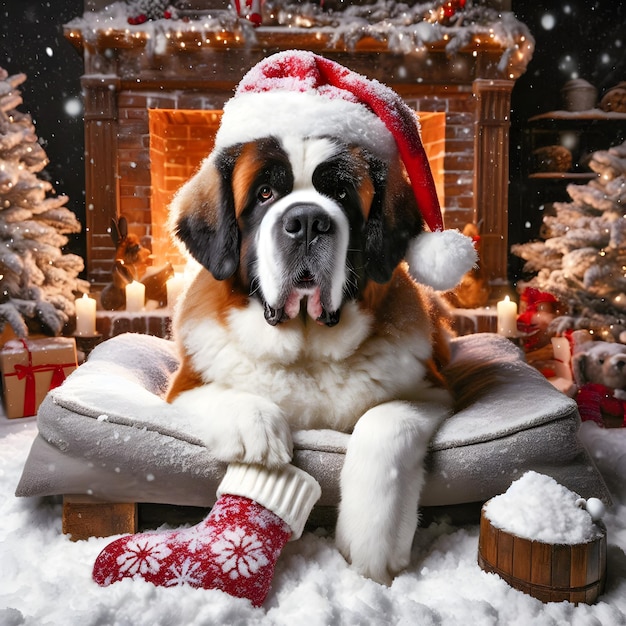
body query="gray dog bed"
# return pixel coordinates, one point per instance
(108, 433)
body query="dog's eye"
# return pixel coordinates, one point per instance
(342, 193)
(601, 361)
(264, 193)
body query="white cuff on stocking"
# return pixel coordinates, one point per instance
(288, 492)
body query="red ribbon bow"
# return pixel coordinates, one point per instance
(27, 372)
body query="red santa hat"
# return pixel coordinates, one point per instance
(319, 97)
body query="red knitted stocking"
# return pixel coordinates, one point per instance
(234, 549)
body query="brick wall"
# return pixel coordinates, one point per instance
(153, 122)
(179, 141)
(456, 191)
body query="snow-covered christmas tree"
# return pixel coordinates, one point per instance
(582, 259)
(38, 282)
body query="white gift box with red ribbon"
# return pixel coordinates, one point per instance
(30, 368)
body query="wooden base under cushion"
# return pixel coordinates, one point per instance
(85, 517)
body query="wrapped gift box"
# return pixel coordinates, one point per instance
(30, 368)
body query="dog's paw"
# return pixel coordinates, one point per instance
(255, 433)
(367, 549)
(237, 427)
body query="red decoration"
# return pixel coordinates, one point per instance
(450, 8)
(139, 19)
(538, 310)
(597, 403)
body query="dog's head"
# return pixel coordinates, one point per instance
(311, 191)
(300, 220)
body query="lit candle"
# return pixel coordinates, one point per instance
(507, 317)
(135, 296)
(562, 357)
(85, 316)
(174, 286)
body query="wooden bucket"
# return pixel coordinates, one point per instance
(549, 572)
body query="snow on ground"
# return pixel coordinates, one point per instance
(46, 578)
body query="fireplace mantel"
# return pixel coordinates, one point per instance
(129, 71)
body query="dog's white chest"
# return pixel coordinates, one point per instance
(320, 377)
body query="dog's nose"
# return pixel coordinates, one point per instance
(305, 222)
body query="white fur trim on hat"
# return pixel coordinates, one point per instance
(440, 259)
(277, 113)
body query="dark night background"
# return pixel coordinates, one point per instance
(587, 40)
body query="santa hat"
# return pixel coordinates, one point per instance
(319, 97)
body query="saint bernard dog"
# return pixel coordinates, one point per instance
(307, 226)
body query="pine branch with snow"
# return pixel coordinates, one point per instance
(582, 259)
(38, 281)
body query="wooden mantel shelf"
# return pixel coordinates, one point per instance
(265, 36)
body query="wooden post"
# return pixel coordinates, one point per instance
(491, 178)
(84, 517)
(101, 172)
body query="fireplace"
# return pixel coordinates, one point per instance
(152, 108)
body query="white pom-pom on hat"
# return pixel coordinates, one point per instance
(440, 259)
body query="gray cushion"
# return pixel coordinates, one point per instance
(107, 432)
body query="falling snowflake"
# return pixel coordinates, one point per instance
(143, 555)
(185, 575)
(239, 554)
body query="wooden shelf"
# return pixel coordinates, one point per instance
(573, 116)
(564, 175)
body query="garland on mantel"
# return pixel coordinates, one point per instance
(408, 28)
(405, 28)
(141, 11)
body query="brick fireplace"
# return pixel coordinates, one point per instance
(151, 112)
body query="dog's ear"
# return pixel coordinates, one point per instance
(394, 219)
(202, 216)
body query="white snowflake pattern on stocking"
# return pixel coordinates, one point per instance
(143, 555)
(239, 553)
(185, 574)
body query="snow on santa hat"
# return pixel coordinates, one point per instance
(301, 90)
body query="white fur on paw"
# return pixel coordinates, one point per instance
(237, 427)
(381, 481)
(367, 544)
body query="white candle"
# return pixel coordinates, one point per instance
(174, 288)
(562, 357)
(85, 316)
(507, 317)
(135, 296)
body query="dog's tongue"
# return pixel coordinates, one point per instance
(313, 303)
